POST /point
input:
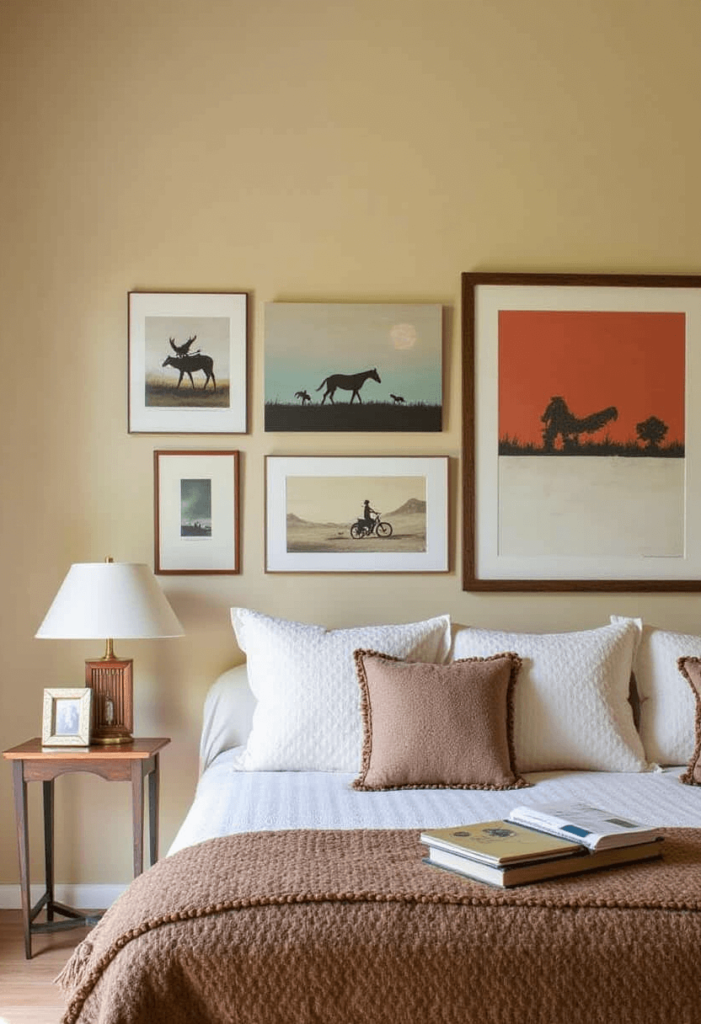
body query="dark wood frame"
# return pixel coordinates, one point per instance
(136, 294)
(470, 282)
(236, 526)
(30, 763)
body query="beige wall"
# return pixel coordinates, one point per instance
(365, 150)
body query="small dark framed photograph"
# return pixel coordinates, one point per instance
(196, 507)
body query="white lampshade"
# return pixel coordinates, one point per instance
(98, 600)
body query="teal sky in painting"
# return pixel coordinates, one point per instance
(306, 342)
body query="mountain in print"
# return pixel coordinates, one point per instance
(410, 507)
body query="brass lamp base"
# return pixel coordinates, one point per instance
(111, 680)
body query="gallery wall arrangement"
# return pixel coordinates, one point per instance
(580, 463)
(187, 375)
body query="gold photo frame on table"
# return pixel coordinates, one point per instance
(66, 717)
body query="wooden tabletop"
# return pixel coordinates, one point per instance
(139, 749)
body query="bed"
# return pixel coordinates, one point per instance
(294, 891)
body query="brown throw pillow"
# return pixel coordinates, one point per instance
(690, 668)
(437, 726)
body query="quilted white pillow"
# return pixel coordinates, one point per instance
(571, 708)
(667, 706)
(308, 713)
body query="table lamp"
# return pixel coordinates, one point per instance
(107, 601)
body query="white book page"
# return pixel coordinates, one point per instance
(583, 823)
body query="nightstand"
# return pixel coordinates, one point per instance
(128, 762)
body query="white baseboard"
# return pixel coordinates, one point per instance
(82, 897)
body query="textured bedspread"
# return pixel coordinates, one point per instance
(349, 927)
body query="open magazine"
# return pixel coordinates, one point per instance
(591, 826)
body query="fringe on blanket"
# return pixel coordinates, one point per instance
(70, 976)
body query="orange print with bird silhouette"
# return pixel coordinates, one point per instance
(589, 382)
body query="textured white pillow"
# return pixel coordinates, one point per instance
(571, 707)
(667, 705)
(308, 713)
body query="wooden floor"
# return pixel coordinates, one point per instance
(27, 992)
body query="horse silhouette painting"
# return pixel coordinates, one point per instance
(559, 421)
(191, 364)
(303, 396)
(352, 382)
(397, 399)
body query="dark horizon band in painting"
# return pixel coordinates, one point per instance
(580, 431)
(353, 366)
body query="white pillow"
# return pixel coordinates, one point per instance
(308, 712)
(667, 705)
(571, 707)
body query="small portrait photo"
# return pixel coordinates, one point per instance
(66, 717)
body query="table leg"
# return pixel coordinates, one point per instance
(20, 794)
(137, 807)
(48, 788)
(153, 802)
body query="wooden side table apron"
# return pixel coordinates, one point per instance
(130, 762)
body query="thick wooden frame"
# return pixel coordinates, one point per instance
(481, 297)
(215, 553)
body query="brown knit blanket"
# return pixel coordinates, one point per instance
(350, 927)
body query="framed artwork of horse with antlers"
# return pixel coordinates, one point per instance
(582, 432)
(187, 362)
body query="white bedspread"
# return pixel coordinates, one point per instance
(229, 801)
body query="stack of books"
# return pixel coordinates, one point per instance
(540, 842)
